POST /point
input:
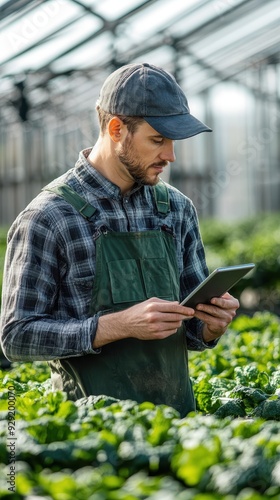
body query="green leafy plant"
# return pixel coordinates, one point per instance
(101, 448)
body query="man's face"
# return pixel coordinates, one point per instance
(145, 154)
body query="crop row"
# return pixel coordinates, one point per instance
(99, 448)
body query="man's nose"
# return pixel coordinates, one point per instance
(168, 153)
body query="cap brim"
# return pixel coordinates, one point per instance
(177, 127)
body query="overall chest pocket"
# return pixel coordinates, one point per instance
(137, 280)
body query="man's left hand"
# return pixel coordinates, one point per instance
(217, 315)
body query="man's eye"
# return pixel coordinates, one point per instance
(158, 141)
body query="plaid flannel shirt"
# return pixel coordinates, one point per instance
(50, 263)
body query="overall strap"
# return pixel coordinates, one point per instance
(160, 192)
(74, 199)
(161, 197)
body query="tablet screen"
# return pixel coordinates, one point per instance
(216, 284)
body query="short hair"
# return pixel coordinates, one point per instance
(132, 122)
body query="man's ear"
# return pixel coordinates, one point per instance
(115, 128)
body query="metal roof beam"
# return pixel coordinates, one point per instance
(109, 26)
(11, 6)
(42, 41)
(90, 10)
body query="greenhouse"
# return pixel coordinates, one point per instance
(64, 273)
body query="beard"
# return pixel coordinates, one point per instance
(135, 167)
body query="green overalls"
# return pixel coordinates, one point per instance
(130, 268)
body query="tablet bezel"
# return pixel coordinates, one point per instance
(220, 281)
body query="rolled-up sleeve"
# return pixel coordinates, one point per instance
(33, 326)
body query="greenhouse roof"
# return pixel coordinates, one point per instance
(56, 46)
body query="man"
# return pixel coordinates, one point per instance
(97, 264)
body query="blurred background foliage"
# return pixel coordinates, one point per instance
(256, 240)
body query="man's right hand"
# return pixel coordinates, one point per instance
(153, 319)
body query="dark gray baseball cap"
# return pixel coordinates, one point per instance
(152, 93)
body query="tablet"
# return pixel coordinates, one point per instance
(216, 284)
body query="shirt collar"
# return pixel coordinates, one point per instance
(95, 181)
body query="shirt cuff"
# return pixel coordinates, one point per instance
(91, 332)
(195, 341)
(211, 343)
